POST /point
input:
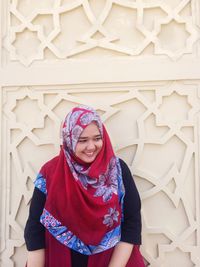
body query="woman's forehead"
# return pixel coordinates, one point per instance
(91, 130)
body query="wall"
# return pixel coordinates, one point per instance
(136, 62)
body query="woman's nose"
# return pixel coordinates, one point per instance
(90, 145)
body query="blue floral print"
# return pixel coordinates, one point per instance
(111, 217)
(67, 238)
(40, 183)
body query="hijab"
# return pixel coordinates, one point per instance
(85, 197)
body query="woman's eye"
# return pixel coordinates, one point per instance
(98, 138)
(82, 141)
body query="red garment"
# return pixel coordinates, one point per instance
(58, 255)
(61, 256)
(76, 206)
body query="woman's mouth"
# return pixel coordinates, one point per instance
(89, 154)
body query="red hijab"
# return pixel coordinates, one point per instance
(84, 197)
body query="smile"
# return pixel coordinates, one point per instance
(89, 154)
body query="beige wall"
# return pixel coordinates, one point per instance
(136, 62)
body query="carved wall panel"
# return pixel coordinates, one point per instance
(154, 128)
(48, 30)
(136, 62)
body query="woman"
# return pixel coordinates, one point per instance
(85, 210)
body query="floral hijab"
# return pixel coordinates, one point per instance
(85, 198)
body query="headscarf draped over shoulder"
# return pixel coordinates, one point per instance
(84, 198)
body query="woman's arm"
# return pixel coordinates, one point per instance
(36, 258)
(121, 255)
(34, 233)
(131, 225)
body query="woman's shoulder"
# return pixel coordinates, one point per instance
(52, 161)
(49, 165)
(126, 172)
(128, 180)
(123, 165)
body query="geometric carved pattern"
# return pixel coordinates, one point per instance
(46, 30)
(153, 127)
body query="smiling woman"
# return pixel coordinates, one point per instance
(85, 210)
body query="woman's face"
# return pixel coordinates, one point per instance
(89, 143)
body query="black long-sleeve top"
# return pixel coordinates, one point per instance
(130, 228)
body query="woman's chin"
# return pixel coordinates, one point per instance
(88, 159)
